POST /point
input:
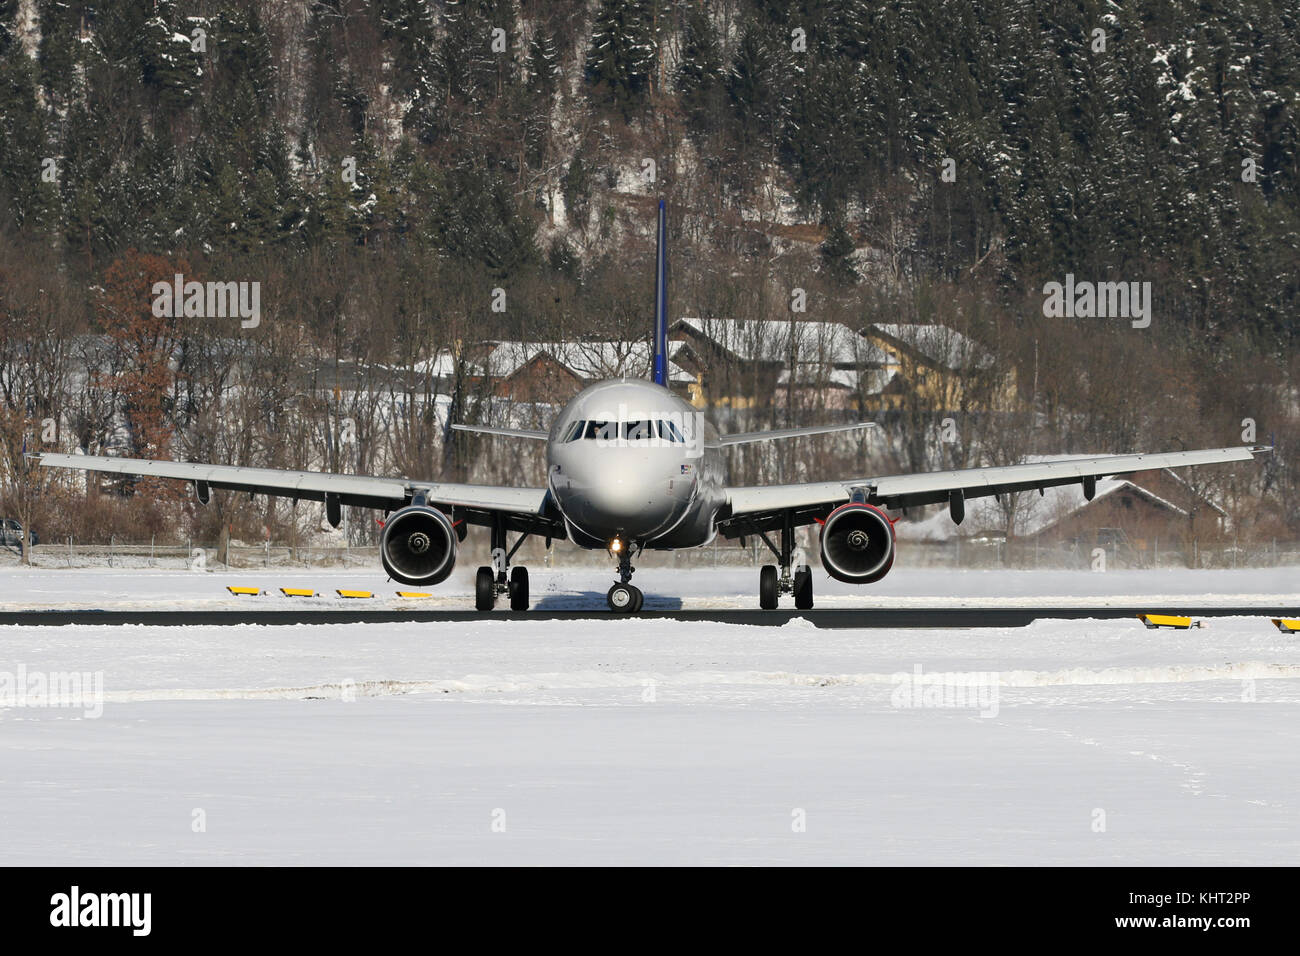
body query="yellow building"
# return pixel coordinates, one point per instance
(939, 369)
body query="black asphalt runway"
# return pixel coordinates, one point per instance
(904, 617)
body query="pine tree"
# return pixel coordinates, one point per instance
(23, 151)
(8, 25)
(758, 89)
(408, 25)
(700, 73)
(836, 253)
(541, 81)
(57, 55)
(576, 188)
(469, 69)
(478, 220)
(86, 164)
(623, 52)
(543, 67)
(168, 62)
(826, 142)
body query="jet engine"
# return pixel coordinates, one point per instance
(857, 543)
(418, 545)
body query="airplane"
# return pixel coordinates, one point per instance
(632, 466)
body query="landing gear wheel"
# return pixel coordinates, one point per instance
(485, 589)
(519, 589)
(621, 598)
(638, 599)
(767, 587)
(803, 597)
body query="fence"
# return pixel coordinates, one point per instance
(969, 553)
(1031, 555)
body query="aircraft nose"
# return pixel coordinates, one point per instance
(622, 491)
(620, 495)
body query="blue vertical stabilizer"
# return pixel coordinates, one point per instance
(660, 375)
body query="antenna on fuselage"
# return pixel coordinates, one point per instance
(660, 372)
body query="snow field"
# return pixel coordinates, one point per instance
(623, 741)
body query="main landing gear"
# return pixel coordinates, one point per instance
(624, 598)
(774, 581)
(501, 578)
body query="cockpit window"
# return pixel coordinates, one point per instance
(605, 431)
(639, 431)
(669, 431)
(614, 432)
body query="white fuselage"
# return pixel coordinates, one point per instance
(628, 459)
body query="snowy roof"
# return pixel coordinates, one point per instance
(939, 343)
(767, 340)
(443, 365)
(873, 380)
(587, 360)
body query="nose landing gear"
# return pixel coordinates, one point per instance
(625, 598)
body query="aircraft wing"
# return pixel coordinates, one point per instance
(534, 434)
(761, 508)
(526, 509)
(744, 438)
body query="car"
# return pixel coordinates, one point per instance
(11, 533)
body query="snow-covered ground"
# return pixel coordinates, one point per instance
(623, 741)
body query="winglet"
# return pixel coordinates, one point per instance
(660, 374)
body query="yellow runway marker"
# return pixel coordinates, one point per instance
(250, 591)
(297, 592)
(1168, 620)
(414, 594)
(352, 594)
(1286, 625)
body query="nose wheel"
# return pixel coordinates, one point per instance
(625, 599)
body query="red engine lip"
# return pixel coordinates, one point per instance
(449, 563)
(873, 576)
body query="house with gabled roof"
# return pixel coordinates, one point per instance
(941, 370)
(553, 372)
(741, 363)
(1137, 519)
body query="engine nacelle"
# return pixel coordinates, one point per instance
(857, 543)
(418, 546)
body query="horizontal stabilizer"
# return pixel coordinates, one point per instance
(508, 432)
(745, 438)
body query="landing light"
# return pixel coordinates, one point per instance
(616, 545)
